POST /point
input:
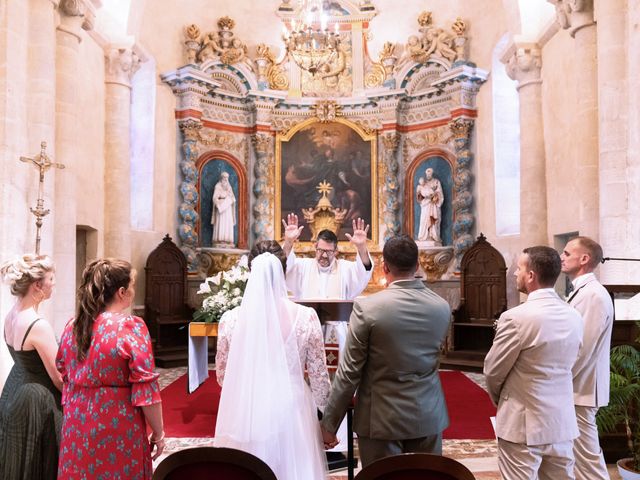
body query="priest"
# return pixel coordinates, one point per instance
(327, 278)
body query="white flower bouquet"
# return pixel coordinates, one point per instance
(222, 292)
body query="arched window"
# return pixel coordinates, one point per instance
(506, 145)
(143, 101)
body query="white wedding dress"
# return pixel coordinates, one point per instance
(266, 406)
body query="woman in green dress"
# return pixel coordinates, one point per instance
(30, 404)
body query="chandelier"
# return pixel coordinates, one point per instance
(308, 39)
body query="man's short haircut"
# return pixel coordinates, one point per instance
(328, 236)
(545, 262)
(400, 254)
(593, 248)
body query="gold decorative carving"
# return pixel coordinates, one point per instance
(221, 141)
(326, 110)
(213, 262)
(333, 78)
(262, 143)
(390, 142)
(190, 129)
(461, 127)
(435, 263)
(278, 78)
(430, 137)
(222, 45)
(375, 76)
(436, 42)
(459, 27)
(324, 216)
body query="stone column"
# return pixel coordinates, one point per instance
(524, 66)
(577, 17)
(263, 186)
(632, 240)
(41, 110)
(390, 186)
(74, 15)
(120, 65)
(614, 128)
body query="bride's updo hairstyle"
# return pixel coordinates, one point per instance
(268, 246)
(24, 270)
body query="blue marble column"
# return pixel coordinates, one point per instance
(188, 215)
(463, 198)
(391, 187)
(262, 187)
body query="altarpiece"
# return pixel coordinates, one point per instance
(351, 136)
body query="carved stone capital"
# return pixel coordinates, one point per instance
(574, 14)
(75, 10)
(461, 128)
(120, 65)
(390, 142)
(262, 143)
(190, 130)
(525, 65)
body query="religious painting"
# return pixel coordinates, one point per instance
(325, 173)
(432, 208)
(219, 204)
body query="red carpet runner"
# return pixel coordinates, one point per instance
(195, 415)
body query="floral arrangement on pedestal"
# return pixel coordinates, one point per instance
(222, 292)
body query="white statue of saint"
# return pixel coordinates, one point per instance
(223, 215)
(430, 197)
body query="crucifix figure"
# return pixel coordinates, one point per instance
(43, 163)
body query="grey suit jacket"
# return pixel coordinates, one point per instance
(591, 371)
(391, 357)
(528, 370)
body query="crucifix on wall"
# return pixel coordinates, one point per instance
(43, 163)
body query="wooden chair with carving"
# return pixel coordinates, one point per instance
(483, 297)
(415, 466)
(211, 463)
(165, 304)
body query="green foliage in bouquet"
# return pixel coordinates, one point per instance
(222, 292)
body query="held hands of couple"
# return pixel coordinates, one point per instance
(329, 439)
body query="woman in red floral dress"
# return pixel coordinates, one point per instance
(110, 389)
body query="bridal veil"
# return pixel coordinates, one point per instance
(266, 406)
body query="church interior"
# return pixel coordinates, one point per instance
(176, 135)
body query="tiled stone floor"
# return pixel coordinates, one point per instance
(479, 456)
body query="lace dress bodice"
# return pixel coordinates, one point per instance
(309, 338)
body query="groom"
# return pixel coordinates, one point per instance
(391, 355)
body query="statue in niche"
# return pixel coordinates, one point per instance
(223, 214)
(430, 197)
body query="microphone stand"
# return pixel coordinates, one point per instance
(606, 259)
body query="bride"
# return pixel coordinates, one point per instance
(266, 406)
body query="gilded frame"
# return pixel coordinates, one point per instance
(355, 137)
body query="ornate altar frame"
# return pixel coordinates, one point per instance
(365, 135)
(409, 101)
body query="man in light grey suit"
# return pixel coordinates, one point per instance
(391, 358)
(528, 374)
(581, 256)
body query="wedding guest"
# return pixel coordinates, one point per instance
(30, 410)
(110, 392)
(264, 345)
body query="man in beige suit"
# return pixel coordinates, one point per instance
(391, 358)
(528, 374)
(581, 256)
